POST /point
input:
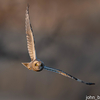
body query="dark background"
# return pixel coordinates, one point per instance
(67, 35)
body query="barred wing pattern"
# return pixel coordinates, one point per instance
(30, 38)
(66, 75)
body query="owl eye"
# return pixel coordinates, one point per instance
(36, 64)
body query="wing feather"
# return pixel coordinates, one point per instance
(29, 36)
(66, 75)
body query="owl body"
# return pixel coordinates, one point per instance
(35, 65)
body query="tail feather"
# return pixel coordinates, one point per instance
(26, 65)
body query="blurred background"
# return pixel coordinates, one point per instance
(67, 36)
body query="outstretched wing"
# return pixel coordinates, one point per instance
(29, 35)
(66, 75)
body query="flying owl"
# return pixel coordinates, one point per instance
(36, 64)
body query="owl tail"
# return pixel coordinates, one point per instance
(26, 65)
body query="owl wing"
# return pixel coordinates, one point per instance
(66, 75)
(29, 36)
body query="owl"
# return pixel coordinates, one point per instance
(35, 64)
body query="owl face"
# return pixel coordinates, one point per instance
(37, 66)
